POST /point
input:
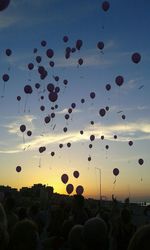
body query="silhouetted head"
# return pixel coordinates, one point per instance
(75, 238)
(141, 239)
(25, 236)
(95, 234)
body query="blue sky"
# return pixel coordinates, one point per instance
(124, 29)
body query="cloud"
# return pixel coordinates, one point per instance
(65, 111)
(14, 126)
(136, 131)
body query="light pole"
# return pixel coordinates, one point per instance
(100, 185)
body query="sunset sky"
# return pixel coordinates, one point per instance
(124, 29)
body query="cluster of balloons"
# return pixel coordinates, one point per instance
(54, 89)
(70, 187)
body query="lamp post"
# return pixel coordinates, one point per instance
(100, 185)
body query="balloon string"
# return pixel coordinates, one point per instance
(23, 139)
(3, 91)
(39, 163)
(18, 107)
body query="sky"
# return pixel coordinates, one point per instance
(124, 30)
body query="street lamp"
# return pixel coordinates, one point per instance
(100, 188)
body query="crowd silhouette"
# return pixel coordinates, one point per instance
(70, 223)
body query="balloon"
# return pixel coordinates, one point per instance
(30, 66)
(67, 55)
(53, 96)
(69, 110)
(29, 133)
(65, 129)
(42, 108)
(79, 44)
(50, 53)
(28, 89)
(18, 98)
(108, 87)
(82, 100)
(43, 43)
(79, 190)
(73, 105)
(107, 146)
(69, 188)
(42, 97)
(4, 4)
(105, 5)
(65, 82)
(123, 117)
(56, 106)
(65, 39)
(57, 89)
(141, 161)
(92, 137)
(92, 95)
(119, 80)
(115, 171)
(107, 108)
(100, 45)
(66, 116)
(42, 149)
(102, 112)
(130, 143)
(61, 145)
(37, 85)
(64, 178)
(35, 50)
(52, 153)
(92, 122)
(50, 87)
(102, 137)
(90, 145)
(80, 61)
(51, 63)
(5, 77)
(136, 57)
(18, 169)
(41, 70)
(73, 50)
(115, 136)
(52, 115)
(47, 119)
(56, 78)
(43, 75)
(22, 128)
(81, 132)
(68, 144)
(89, 158)
(38, 59)
(76, 174)
(8, 52)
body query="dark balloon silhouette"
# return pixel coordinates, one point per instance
(4, 4)
(18, 169)
(69, 188)
(64, 177)
(136, 57)
(115, 171)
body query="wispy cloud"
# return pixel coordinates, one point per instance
(14, 126)
(136, 131)
(65, 111)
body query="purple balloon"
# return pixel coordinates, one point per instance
(4, 4)
(69, 188)
(79, 190)
(53, 96)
